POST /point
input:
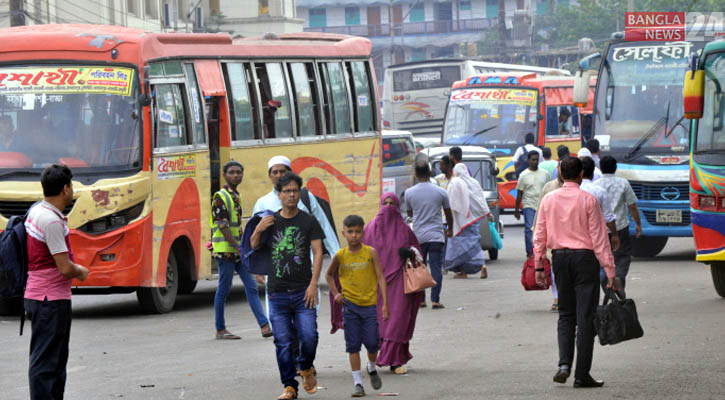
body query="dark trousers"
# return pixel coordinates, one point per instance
(577, 279)
(433, 254)
(622, 259)
(50, 324)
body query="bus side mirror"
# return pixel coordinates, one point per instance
(144, 99)
(693, 93)
(581, 88)
(496, 171)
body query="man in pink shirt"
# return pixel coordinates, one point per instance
(47, 294)
(570, 223)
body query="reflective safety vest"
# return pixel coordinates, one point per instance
(219, 243)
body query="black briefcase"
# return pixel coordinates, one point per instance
(617, 321)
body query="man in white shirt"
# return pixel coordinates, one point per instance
(527, 148)
(622, 198)
(597, 191)
(531, 183)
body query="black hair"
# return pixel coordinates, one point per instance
(446, 159)
(562, 151)
(588, 167)
(456, 152)
(608, 165)
(54, 178)
(422, 169)
(233, 163)
(269, 171)
(529, 138)
(353, 220)
(532, 153)
(285, 179)
(570, 168)
(546, 152)
(564, 110)
(592, 145)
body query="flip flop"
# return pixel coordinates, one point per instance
(399, 370)
(227, 336)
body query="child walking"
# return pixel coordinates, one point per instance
(358, 267)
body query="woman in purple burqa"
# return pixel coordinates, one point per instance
(386, 233)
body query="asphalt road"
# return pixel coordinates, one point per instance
(493, 341)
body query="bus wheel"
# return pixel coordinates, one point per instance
(493, 254)
(718, 277)
(186, 286)
(648, 246)
(160, 300)
(11, 307)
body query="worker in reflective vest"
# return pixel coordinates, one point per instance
(226, 216)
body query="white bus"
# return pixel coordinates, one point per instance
(415, 93)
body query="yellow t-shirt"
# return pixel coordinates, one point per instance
(357, 276)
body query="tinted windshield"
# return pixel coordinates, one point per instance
(490, 117)
(398, 151)
(85, 117)
(425, 78)
(638, 84)
(710, 132)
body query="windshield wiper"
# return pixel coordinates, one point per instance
(649, 134)
(18, 172)
(467, 141)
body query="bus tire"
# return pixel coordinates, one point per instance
(717, 270)
(160, 300)
(493, 254)
(11, 307)
(186, 286)
(648, 246)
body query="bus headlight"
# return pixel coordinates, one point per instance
(113, 221)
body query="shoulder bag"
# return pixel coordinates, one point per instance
(617, 321)
(416, 275)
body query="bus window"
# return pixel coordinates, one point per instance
(243, 117)
(362, 97)
(304, 99)
(327, 99)
(197, 117)
(340, 104)
(275, 100)
(561, 120)
(170, 118)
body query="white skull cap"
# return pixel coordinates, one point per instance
(584, 152)
(279, 160)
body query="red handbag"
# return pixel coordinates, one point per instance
(528, 275)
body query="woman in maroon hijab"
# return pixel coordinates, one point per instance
(387, 233)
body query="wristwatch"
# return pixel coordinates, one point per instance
(539, 269)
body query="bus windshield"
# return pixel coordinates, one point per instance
(423, 78)
(490, 117)
(639, 98)
(710, 132)
(82, 116)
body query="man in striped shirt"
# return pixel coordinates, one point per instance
(51, 269)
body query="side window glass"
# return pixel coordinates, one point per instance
(304, 100)
(363, 98)
(327, 99)
(197, 116)
(170, 118)
(275, 100)
(339, 98)
(238, 90)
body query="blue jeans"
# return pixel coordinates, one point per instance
(226, 273)
(433, 252)
(291, 318)
(529, 214)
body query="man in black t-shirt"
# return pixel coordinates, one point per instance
(292, 283)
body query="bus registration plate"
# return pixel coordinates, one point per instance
(669, 216)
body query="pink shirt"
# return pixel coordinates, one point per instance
(570, 218)
(47, 234)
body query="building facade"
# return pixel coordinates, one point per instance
(238, 17)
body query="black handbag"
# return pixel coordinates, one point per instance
(617, 321)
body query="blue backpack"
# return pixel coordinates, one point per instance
(14, 263)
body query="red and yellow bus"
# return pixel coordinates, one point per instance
(146, 119)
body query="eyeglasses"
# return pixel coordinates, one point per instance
(290, 191)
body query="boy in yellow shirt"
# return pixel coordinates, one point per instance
(360, 276)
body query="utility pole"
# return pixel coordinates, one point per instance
(501, 26)
(392, 32)
(17, 14)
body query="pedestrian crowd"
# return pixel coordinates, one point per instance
(576, 212)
